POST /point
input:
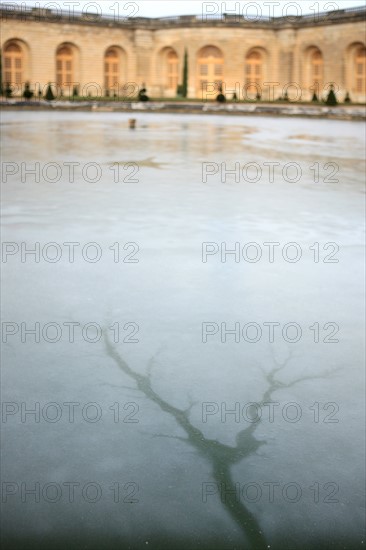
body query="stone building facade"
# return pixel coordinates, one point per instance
(95, 55)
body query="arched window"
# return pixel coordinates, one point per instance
(254, 68)
(317, 70)
(210, 67)
(111, 69)
(254, 72)
(64, 66)
(13, 63)
(172, 72)
(360, 70)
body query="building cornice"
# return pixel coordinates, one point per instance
(27, 13)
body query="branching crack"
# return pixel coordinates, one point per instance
(220, 456)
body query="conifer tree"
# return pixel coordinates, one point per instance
(185, 75)
(49, 93)
(331, 99)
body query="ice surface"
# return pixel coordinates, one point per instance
(169, 212)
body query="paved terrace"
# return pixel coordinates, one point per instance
(339, 112)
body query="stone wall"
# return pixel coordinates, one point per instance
(283, 45)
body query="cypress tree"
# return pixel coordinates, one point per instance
(185, 75)
(331, 99)
(49, 93)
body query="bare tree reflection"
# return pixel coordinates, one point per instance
(220, 456)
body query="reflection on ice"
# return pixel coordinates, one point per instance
(221, 457)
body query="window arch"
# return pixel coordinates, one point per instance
(313, 72)
(111, 69)
(14, 59)
(65, 66)
(210, 67)
(115, 67)
(360, 70)
(167, 72)
(172, 70)
(317, 70)
(254, 71)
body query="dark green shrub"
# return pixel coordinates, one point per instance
(331, 99)
(142, 96)
(49, 93)
(8, 90)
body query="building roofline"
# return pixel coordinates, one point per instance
(28, 13)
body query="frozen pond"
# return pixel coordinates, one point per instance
(190, 339)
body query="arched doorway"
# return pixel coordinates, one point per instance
(65, 67)
(167, 72)
(210, 69)
(360, 70)
(316, 72)
(111, 71)
(14, 60)
(254, 73)
(172, 75)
